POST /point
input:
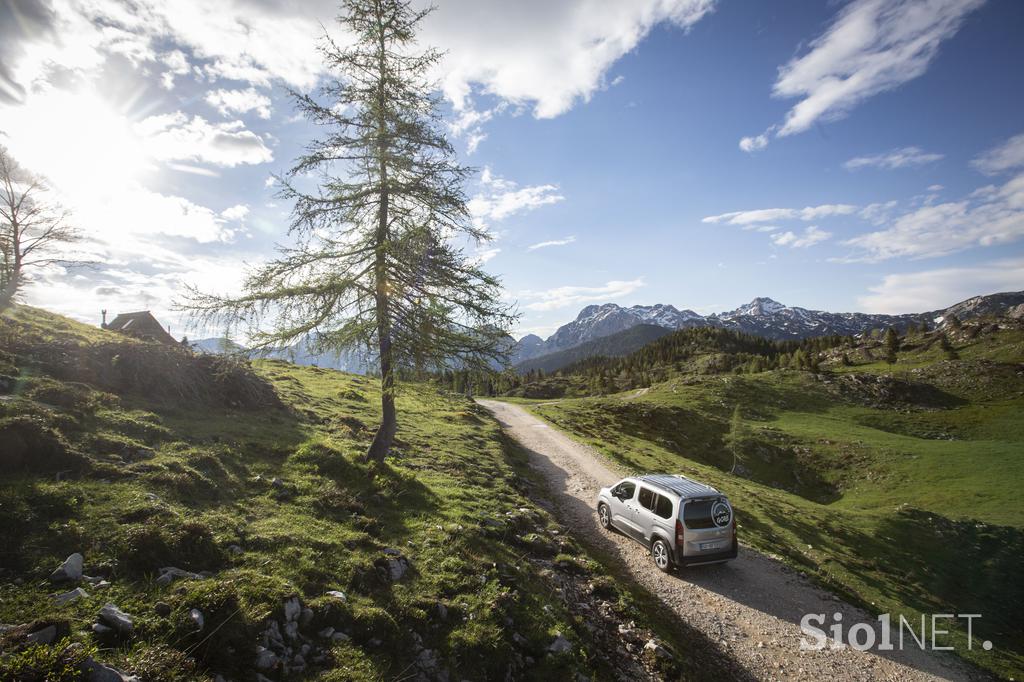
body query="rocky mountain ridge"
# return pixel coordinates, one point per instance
(762, 316)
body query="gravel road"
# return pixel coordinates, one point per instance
(751, 606)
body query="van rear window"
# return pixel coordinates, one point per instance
(697, 514)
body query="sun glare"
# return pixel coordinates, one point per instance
(79, 141)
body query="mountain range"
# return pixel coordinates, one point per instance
(614, 330)
(762, 317)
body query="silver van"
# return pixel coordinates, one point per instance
(683, 522)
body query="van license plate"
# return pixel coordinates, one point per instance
(704, 546)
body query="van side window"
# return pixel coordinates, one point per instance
(663, 507)
(625, 490)
(647, 498)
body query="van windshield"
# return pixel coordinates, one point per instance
(697, 514)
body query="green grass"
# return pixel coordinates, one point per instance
(146, 484)
(900, 508)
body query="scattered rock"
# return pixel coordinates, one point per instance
(162, 609)
(114, 617)
(426, 661)
(168, 574)
(68, 597)
(305, 617)
(104, 673)
(442, 611)
(196, 616)
(327, 632)
(340, 637)
(560, 645)
(338, 594)
(265, 658)
(69, 571)
(658, 650)
(43, 636)
(102, 630)
(235, 549)
(292, 608)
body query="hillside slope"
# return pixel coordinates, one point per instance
(621, 343)
(227, 517)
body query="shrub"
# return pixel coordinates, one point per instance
(29, 444)
(61, 662)
(190, 546)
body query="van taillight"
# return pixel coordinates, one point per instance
(679, 532)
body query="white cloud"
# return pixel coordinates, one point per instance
(872, 46)
(193, 170)
(236, 212)
(896, 158)
(1004, 157)
(239, 102)
(878, 213)
(755, 143)
(564, 297)
(177, 65)
(485, 254)
(985, 218)
(545, 55)
(809, 237)
(767, 215)
(936, 289)
(502, 198)
(553, 242)
(175, 137)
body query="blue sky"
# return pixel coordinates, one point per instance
(864, 155)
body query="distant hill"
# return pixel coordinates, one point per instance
(614, 345)
(216, 346)
(356, 361)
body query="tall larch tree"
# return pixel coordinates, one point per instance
(380, 222)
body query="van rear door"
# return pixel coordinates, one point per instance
(708, 526)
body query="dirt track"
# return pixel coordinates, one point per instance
(751, 606)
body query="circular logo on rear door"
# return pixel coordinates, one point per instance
(721, 514)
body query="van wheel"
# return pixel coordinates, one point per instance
(662, 556)
(604, 515)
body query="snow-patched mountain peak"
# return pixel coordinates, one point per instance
(759, 307)
(597, 310)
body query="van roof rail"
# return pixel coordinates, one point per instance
(680, 485)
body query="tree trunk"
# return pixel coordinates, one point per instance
(13, 282)
(381, 445)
